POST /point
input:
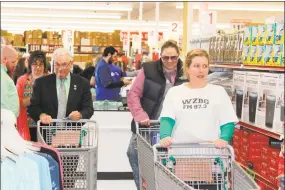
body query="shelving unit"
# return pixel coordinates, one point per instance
(249, 67)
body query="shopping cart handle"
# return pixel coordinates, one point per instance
(192, 145)
(152, 124)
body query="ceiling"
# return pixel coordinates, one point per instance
(99, 16)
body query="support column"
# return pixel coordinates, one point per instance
(140, 29)
(129, 19)
(187, 27)
(157, 22)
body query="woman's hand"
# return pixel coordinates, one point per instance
(220, 143)
(166, 142)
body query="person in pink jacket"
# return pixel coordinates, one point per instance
(37, 68)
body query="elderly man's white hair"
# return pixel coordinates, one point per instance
(62, 51)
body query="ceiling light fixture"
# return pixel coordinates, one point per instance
(75, 7)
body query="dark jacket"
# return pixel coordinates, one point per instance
(44, 98)
(154, 87)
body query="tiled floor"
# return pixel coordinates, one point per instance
(116, 185)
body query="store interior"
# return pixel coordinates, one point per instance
(245, 41)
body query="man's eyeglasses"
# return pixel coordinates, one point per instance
(38, 64)
(63, 66)
(172, 58)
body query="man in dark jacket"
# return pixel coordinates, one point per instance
(146, 95)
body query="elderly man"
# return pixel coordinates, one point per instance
(62, 94)
(9, 95)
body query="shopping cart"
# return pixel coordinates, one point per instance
(199, 166)
(77, 143)
(146, 137)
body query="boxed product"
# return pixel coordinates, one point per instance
(254, 35)
(238, 89)
(260, 55)
(277, 55)
(278, 123)
(246, 54)
(270, 34)
(253, 55)
(279, 33)
(268, 55)
(282, 55)
(247, 36)
(266, 100)
(250, 97)
(261, 34)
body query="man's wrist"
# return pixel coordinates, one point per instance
(42, 114)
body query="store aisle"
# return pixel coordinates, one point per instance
(116, 185)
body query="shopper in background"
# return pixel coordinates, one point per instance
(96, 61)
(88, 71)
(76, 70)
(61, 94)
(9, 95)
(21, 68)
(37, 68)
(106, 87)
(148, 91)
(185, 107)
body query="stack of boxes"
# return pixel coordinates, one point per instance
(264, 45)
(252, 150)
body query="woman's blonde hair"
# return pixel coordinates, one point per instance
(190, 56)
(88, 64)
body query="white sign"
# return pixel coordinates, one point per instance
(125, 44)
(152, 38)
(173, 33)
(208, 23)
(68, 40)
(123, 35)
(137, 42)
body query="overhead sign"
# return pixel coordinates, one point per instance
(208, 23)
(152, 38)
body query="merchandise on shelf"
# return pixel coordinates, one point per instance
(278, 122)
(279, 33)
(270, 30)
(268, 55)
(247, 36)
(277, 55)
(253, 55)
(246, 54)
(255, 35)
(261, 35)
(260, 54)
(250, 97)
(238, 89)
(266, 100)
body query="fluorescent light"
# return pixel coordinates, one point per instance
(59, 15)
(57, 6)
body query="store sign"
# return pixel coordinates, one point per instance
(125, 44)
(239, 24)
(152, 38)
(68, 40)
(124, 34)
(173, 32)
(208, 23)
(136, 42)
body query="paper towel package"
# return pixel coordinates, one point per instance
(238, 89)
(278, 121)
(250, 97)
(266, 100)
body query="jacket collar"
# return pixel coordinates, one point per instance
(179, 67)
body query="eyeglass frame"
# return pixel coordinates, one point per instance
(172, 58)
(62, 66)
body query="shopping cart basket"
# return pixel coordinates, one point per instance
(146, 137)
(199, 166)
(77, 143)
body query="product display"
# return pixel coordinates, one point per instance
(266, 100)
(250, 97)
(278, 124)
(238, 91)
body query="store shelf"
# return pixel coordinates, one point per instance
(97, 46)
(258, 177)
(87, 53)
(248, 67)
(262, 130)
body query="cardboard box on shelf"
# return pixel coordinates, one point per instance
(278, 123)
(28, 40)
(277, 55)
(60, 41)
(28, 34)
(85, 42)
(50, 41)
(77, 34)
(37, 41)
(248, 35)
(268, 55)
(253, 55)
(250, 97)
(254, 35)
(261, 34)
(44, 41)
(237, 91)
(37, 34)
(279, 33)
(260, 54)
(4, 32)
(266, 100)
(246, 54)
(48, 34)
(77, 41)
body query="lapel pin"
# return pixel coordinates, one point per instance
(75, 87)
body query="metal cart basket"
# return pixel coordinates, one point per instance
(199, 166)
(146, 137)
(77, 143)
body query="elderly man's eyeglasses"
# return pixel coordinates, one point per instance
(62, 66)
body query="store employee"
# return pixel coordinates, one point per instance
(106, 86)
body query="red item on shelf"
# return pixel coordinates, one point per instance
(264, 173)
(275, 153)
(272, 179)
(264, 165)
(274, 163)
(281, 166)
(273, 171)
(252, 141)
(266, 150)
(236, 144)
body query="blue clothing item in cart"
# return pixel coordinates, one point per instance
(54, 171)
(43, 167)
(155, 137)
